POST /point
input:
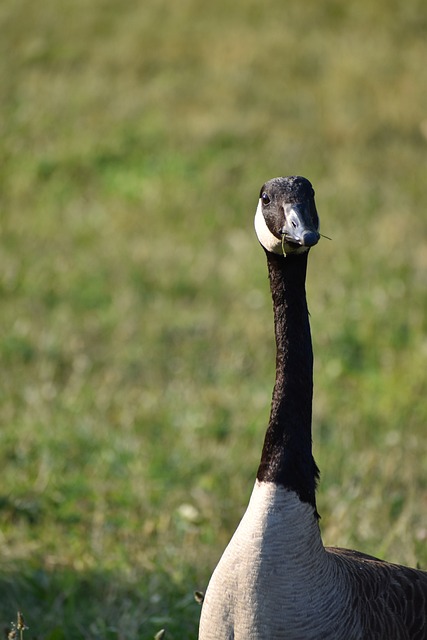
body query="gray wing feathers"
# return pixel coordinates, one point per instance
(389, 600)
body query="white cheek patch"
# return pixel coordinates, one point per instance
(266, 238)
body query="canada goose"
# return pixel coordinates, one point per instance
(276, 580)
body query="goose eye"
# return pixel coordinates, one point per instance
(265, 199)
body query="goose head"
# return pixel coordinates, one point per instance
(286, 220)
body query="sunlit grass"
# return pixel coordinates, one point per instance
(136, 335)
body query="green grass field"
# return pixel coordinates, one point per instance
(136, 335)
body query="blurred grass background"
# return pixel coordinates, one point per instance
(136, 336)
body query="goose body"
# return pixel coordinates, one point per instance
(276, 580)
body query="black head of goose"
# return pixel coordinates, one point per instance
(275, 579)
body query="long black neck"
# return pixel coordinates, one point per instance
(287, 455)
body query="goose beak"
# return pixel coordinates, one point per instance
(299, 229)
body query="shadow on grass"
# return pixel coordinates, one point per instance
(62, 603)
